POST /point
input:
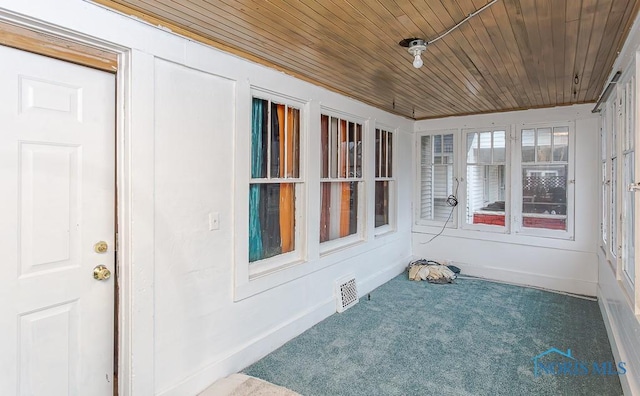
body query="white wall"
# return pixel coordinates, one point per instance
(183, 109)
(559, 264)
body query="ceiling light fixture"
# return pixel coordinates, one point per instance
(416, 46)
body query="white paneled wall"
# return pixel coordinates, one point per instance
(185, 109)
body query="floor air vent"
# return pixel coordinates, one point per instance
(346, 293)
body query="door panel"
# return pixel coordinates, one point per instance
(57, 181)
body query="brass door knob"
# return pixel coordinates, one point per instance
(101, 247)
(101, 273)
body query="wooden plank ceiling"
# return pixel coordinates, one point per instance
(517, 54)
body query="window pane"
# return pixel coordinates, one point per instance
(294, 122)
(544, 196)
(628, 257)
(613, 206)
(442, 188)
(271, 220)
(389, 154)
(485, 147)
(486, 194)
(358, 150)
(437, 149)
(378, 148)
(447, 148)
(382, 203)
(258, 139)
(324, 146)
(528, 145)
(334, 148)
(499, 146)
(277, 137)
(383, 153)
(605, 220)
(561, 144)
(426, 178)
(544, 145)
(339, 210)
(472, 147)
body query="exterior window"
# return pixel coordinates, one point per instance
(340, 177)
(545, 172)
(384, 177)
(486, 177)
(275, 179)
(613, 187)
(627, 122)
(436, 177)
(604, 182)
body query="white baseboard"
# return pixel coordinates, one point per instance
(258, 348)
(379, 278)
(252, 351)
(619, 354)
(567, 285)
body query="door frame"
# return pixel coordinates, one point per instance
(123, 290)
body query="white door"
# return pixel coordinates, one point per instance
(57, 175)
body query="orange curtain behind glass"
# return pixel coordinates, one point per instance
(286, 189)
(345, 213)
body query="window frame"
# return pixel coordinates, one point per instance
(359, 236)
(624, 105)
(516, 182)
(418, 220)
(297, 256)
(391, 226)
(464, 196)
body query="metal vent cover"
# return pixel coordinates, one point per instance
(346, 293)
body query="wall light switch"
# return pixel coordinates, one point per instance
(214, 221)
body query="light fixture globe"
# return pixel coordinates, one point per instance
(416, 47)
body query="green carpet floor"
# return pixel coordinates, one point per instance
(469, 338)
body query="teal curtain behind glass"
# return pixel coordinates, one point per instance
(255, 232)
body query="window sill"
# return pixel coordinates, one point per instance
(383, 231)
(337, 245)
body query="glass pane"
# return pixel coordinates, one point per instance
(604, 218)
(295, 138)
(382, 203)
(499, 147)
(358, 150)
(561, 144)
(383, 153)
(258, 142)
(486, 194)
(324, 146)
(544, 196)
(437, 149)
(271, 220)
(389, 154)
(628, 248)
(442, 188)
(472, 147)
(334, 148)
(613, 207)
(277, 136)
(528, 145)
(426, 179)
(351, 147)
(544, 145)
(338, 210)
(603, 137)
(342, 149)
(378, 148)
(485, 147)
(447, 149)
